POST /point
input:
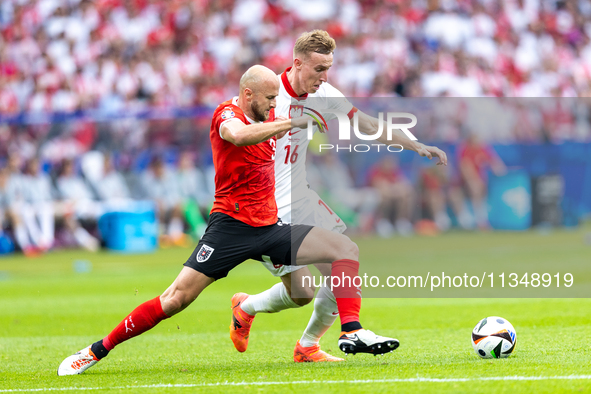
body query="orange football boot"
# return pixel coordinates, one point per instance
(312, 354)
(241, 323)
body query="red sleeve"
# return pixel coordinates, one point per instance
(352, 112)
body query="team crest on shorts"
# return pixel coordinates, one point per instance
(228, 114)
(204, 253)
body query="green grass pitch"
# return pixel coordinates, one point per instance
(48, 311)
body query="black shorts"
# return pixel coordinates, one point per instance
(228, 242)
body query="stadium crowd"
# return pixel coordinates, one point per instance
(61, 55)
(38, 198)
(73, 196)
(113, 56)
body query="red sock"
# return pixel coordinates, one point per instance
(143, 318)
(347, 294)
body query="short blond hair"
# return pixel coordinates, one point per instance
(318, 41)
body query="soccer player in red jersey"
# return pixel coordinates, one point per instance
(244, 225)
(475, 158)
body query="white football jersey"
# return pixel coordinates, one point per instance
(291, 184)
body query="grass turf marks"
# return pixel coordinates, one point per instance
(48, 311)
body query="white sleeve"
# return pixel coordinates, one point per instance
(336, 100)
(223, 123)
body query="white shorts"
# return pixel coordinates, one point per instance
(312, 211)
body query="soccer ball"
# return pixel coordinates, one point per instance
(494, 337)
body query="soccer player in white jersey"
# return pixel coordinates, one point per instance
(307, 78)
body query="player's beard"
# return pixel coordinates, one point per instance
(259, 115)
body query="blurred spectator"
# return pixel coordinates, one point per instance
(108, 183)
(4, 202)
(11, 193)
(433, 180)
(39, 211)
(161, 185)
(112, 186)
(440, 190)
(475, 159)
(396, 197)
(194, 194)
(77, 203)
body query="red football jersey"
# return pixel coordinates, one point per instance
(244, 176)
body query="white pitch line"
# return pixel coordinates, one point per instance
(368, 381)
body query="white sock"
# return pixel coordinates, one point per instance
(324, 315)
(270, 301)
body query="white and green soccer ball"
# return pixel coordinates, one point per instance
(494, 337)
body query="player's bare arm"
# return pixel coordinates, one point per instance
(241, 134)
(369, 125)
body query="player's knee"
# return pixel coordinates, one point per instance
(171, 306)
(301, 295)
(303, 301)
(350, 250)
(343, 248)
(175, 303)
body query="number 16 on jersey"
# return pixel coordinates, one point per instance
(291, 155)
